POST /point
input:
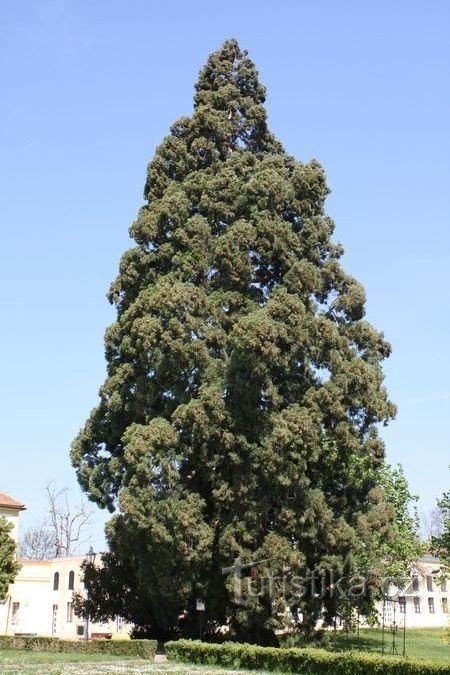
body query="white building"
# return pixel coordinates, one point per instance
(423, 602)
(39, 601)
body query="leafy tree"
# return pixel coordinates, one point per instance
(403, 547)
(239, 415)
(388, 553)
(441, 542)
(9, 566)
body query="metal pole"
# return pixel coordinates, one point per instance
(86, 627)
(382, 627)
(7, 616)
(90, 559)
(404, 629)
(394, 627)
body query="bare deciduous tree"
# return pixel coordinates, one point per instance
(62, 532)
(432, 524)
(66, 521)
(38, 542)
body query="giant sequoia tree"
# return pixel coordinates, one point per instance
(238, 418)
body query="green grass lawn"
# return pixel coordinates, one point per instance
(421, 643)
(430, 643)
(15, 662)
(35, 657)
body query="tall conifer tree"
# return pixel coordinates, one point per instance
(238, 418)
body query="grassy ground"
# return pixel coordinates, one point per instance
(31, 657)
(14, 662)
(421, 643)
(431, 644)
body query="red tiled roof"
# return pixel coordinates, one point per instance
(10, 503)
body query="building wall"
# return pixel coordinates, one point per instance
(40, 600)
(427, 601)
(12, 516)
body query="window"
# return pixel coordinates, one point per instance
(69, 612)
(429, 583)
(415, 583)
(56, 581)
(120, 622)
(402, 604)
(388, 611)
(54, 618)
(444, 605)
(444, 585)
(71, 580)
(431, 605)
(15, 613)
(417, 605)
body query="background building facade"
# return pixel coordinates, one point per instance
(40, 602)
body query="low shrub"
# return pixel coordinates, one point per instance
(144, 649)
(302, 661)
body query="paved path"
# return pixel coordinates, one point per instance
(160, 658)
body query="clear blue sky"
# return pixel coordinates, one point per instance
(90, 87)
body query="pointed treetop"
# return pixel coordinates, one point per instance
(230, 98)
(227, 66)
(229, 115)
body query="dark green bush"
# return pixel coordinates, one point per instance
(302, 661)
(144, 649)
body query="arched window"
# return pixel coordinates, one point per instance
(71, 580)
(56, 581)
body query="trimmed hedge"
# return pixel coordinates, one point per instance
(303, 661)
(144, 649)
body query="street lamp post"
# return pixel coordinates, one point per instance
(200, 607)
(90, 559)
(394, 598)
(402, 604)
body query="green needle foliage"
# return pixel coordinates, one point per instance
(238, 418)
(9, 566)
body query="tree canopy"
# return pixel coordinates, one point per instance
(244, 387)
(403, 547)
(9, 566)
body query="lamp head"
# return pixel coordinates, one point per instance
(90, 556)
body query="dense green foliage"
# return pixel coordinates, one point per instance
(9, 566)
(305, 661)
(145, 649)
(239, 415)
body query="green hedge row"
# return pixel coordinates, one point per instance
(305, 661)
(144, 649)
